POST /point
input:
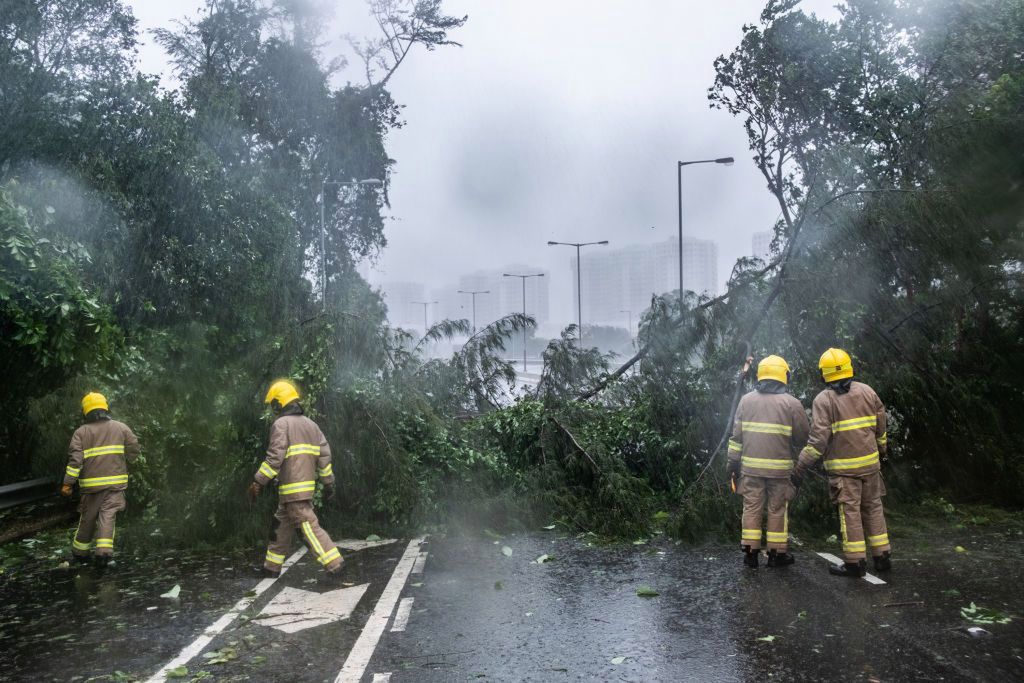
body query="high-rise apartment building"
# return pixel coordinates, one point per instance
(761, 244)
(504, 295)
(398, 296)
(625, 279)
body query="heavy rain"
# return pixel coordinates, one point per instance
(431, 340)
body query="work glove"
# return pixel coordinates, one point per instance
(796, 478)
(254, 491)
(65, 490)
(329, 492)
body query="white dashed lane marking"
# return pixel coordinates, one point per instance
(402, 615)
(870, 578)
(420, 561)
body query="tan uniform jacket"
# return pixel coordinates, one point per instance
(768, 432)
(99, 454)
(298, 453)
(847, 432)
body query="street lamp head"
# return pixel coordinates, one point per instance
(728, 161)
(603, 242)
(550, 243)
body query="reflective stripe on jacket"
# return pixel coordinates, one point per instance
(768, 432)
(297, 455)
(99, 454)
(847, 432)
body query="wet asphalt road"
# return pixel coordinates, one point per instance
(477, 614)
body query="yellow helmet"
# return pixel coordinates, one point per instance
(835, 364)
(773, 367)
(92, 401)
(283, 391)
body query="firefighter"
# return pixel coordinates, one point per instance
(298, 454)
(848, 436)
(770, 428)
(98, 460)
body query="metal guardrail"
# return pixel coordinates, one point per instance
(23, 492)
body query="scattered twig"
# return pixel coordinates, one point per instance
(904, 604)
(576, 443)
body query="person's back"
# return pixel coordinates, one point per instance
(769, 429)
(303, 445)
(853, 414)
(104, 458)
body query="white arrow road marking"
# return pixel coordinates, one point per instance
(870, 578)
(420, 561)
(197, 645)
(293, 609)
(354, 544)
(402, 615)
(362, 651)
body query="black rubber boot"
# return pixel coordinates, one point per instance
(883, 562)
(854, 570)
(101, 561)
(264, 573)
(81, 559)
(775, 559)
(750, 557)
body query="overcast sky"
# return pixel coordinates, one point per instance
(556, 120)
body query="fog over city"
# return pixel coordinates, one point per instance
(554, 121)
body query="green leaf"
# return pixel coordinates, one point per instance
(373, 537)
(178, 672)
(618, 660)
(985, 616)
(549, 527)
(767, 639)
(645, 591)
(544, 559)
(506, 551)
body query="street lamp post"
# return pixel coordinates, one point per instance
(579, 281)
(523, 278)
(474, 293)
(424, 304)
(323, 225)
(728, 161)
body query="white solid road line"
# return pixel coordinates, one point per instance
(870, 578)
(420, 561)
(402, 615)
(197, 645)
(381, 678)
(362, 651)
